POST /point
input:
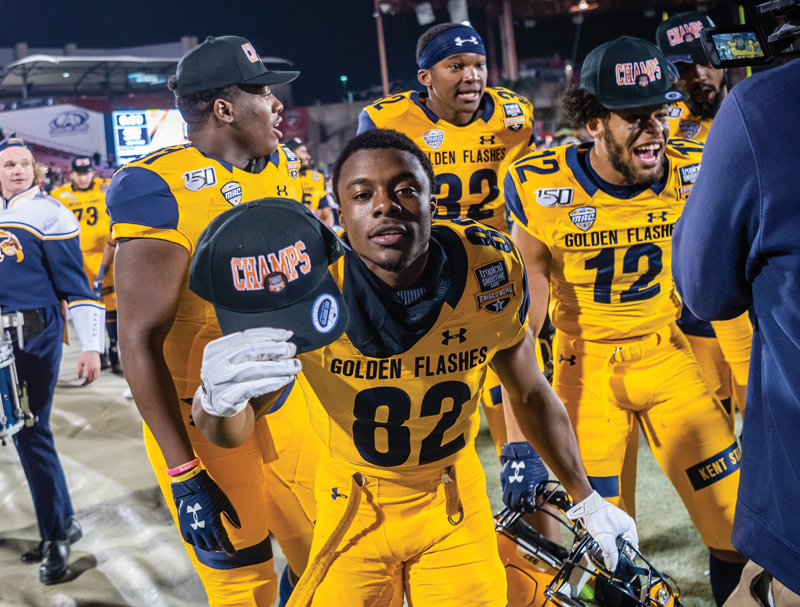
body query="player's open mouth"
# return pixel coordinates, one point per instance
(275, 128)
(469, 95)
(648, 154)
(389, 235)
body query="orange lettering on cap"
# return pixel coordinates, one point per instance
(236, 267)
(302, 257)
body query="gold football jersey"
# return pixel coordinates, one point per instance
(469, 161)
(313, 185)
(173, 194)
(416, 409)
(611, 269)
(89, 207)
(685, 125)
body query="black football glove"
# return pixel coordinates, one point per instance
(201, 505)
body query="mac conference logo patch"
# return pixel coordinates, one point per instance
(434, 138)
(232, 191)
(689, 128)
(583, 217)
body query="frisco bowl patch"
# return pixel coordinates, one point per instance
(232, 191)
(583, 217)
(512, 110)
(689, 174)
(434, 138)
(495, 288)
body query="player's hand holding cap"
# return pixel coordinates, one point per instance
(605, 523)
(628, 73)
(264, 266)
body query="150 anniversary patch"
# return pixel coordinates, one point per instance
(496, 290)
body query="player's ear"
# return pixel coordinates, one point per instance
(223, 110)
(341, 217)
(424, 77)
(595, 127)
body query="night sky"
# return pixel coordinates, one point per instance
(325, 39)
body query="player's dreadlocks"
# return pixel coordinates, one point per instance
(197, 107)
(579, 106)
(430, 34)
(381, 139)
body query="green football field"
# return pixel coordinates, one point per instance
(666, 534)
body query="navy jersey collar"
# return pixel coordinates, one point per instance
(486, 104)
(577, 159)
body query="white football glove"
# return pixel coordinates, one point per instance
(243, 365)
(605, 522)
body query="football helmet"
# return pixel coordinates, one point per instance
(584, 580)
(530, 559)
(539, 571)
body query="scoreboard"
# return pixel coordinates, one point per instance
(139, 132)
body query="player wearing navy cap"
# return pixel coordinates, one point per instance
(40, 266)
(225, 503)
(721, 347)
(594, 224)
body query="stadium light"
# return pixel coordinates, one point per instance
(65, 74)
(343, 78)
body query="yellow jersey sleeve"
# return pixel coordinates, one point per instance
(469, 161)
(313, 185)
(611, 274)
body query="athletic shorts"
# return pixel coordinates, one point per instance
(654, 382)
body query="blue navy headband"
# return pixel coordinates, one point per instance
(451, 42)
(14, 142)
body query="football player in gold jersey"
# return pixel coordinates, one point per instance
(471, 133)
(594, 222)
(225, 502)
(315, 196)
(85, 196)
(723, 347)
(401, 496)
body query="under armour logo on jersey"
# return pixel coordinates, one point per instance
(460, 41)
(651, 216)
(487, 139)
(570, 360)
(193, 511)
(516, 477)
(336, 493)
(282, 191)
(459, 336)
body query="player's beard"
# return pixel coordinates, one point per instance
(395, 267)
(706, 110)
(616, 156)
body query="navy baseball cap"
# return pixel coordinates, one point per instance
(223, 61)
(679, 37)
(265, 263)
(628, 73)
(82, 164)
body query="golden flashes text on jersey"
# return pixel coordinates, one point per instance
(424, 366)
(607, 238)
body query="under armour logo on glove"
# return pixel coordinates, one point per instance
(460, 41)
(193, 511)
(516, 477)
(523, 471)
(207, 533)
